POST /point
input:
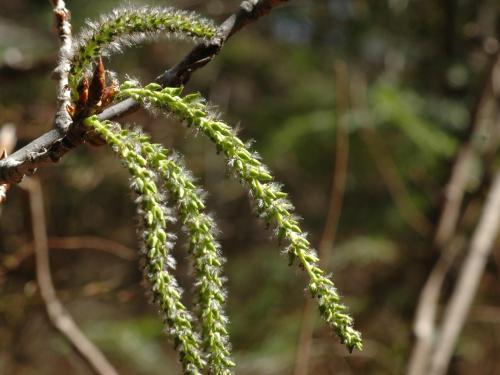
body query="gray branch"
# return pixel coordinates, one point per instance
(51, 146)
(470, 275)
(62, 16)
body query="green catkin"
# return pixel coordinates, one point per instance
(165, 291)
(130, 25)
(203, 245)
(271, 203)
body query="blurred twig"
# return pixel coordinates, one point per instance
(8, 138)
(427, 309)
(454, 191)
(395, 185)
(327, 240)
(8, 141)
(71, 243)
(11, 73)
(387, 167)
(486, 314)
(468, 281)
(426, 312)
(341, 162)
(58, 315)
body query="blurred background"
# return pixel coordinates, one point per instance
(385, 95)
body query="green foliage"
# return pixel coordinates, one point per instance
(361, 251)
(400, 108)
(296, 128)
(271, 203)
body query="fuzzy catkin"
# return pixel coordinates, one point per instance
(208, 260)
(271, 202)
(153, 220)
(131, 25)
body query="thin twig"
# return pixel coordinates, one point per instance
(62, 16)
(51, 146)
(485, 314)
(71, 243)
(249, 12)
(427, 306)
(468, 282)
(386, 165)
(341, 162)
(58, 315)
(394, 183)
(8, 141)
(327, 240)
(454, 191)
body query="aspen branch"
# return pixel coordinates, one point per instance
(51, 146)
(424, 325)
(427, 309)
(455, 188)
(468, 283)
(62, 17)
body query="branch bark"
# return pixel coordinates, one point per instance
(62, 17)
(51, 146)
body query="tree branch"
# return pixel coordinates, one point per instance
(427, 308)
(455, 189)
(444, 238)
(51, 146)
(62, 17)
(468, 282)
